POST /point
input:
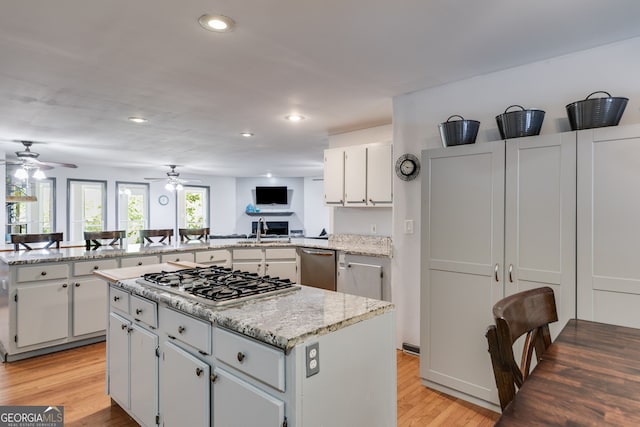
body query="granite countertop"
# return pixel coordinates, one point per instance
(282, 320)
(353, 244)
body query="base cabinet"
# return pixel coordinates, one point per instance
(43, 313)
(89, 302)
(185, 388)
(274, 262)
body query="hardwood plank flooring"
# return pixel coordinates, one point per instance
(75, 378)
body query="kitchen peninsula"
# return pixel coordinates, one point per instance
(301, 358)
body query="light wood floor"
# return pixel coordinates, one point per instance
(75, 379)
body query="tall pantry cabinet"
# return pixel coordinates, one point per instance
(497, 218)
(609, 225)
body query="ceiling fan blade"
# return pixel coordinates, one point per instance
(54, 164)
(184, 181)
(155, 179)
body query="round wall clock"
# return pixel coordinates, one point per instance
(163, 200)
(407, 167)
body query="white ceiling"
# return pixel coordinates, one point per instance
(72, 71)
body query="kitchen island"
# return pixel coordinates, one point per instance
(308, 357)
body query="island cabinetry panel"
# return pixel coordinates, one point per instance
(187, 330)
(89, 305)
(219, 257)
(497, 218)
(132, 368)
(608, 232)
(139, 260)
(185, 389)
(42, 312)
(42, 272)
(177, 257)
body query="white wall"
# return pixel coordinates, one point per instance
(549, 85)
(361, 220)
(316, 214)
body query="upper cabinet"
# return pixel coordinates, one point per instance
(359, 175)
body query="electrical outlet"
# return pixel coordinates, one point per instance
(313, 359)
(408, 226)
(374, 229)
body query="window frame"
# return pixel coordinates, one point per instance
(105, 205)
(54, 201)
(147, 218)
(207, 208)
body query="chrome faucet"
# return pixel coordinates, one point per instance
(258, 229)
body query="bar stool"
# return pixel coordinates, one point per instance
(24, 239)
(187, 234)
(95, 238)
(146, 235)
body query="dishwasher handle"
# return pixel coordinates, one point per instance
(319, 253)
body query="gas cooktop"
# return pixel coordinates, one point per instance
(218, 285)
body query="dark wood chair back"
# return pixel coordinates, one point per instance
(525, 314)
(97, 238)
(25, 239)
(165, 233)
(187, 234)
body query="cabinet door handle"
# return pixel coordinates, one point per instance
(510, 271)
(198, 372)
(240, 357)
(44, 273)
(138, 311)
(180, 329)
(123, 327)
(213, 378)
(495, 273)
(116, 298)
(64, 285)
(77, 285)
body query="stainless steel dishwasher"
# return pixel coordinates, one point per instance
(318, 268)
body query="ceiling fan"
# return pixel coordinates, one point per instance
(174, 182)
(28, 161)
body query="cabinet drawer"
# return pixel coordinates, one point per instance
(220, 256)
(84, 268)
(183, 256)
(247, 254)
(280, 253)
(144, 310)
(118, 299)
(43, 272)
(189, 330)
(138, 260)
(257, 360)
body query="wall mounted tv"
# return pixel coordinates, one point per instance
(271, 196)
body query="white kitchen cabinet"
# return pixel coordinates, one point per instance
(42, 312)
(608, 232)
(334, 176)
(359, 175)
(185, 389)
(132, 371)
(497, 218)
(177, 257)
(139, 260)
(266, 410)
(219, 257)
(89, 306)
(274, 262)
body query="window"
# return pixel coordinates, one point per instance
(193, 207)
(87, 207)
(132, 209)
(34, 216)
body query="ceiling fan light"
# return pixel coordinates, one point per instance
(21, 173)
(169, 186)
(179, 187)
(38, 174)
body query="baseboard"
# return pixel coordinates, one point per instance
(411, 349)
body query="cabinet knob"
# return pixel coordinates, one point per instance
(213, 378)
(116, 298)
(180, 329)
(77, 285)
(177, 259)
(211, 258)
(240, 357)
(64, 285)
(138, 311)
(364, 200)
(198, 371)
(123, 327)
(139, 262)
(95, 267)
(372, 202)
(44, 273)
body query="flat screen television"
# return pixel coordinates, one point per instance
(271, 196)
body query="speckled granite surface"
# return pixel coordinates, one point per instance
(283, 320)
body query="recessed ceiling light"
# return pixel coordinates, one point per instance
(269, 174)
(294, 117)
(137, 119)
(217, 23)
(246, 134)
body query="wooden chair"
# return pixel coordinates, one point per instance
(525, 314)
(25, 239)
(146, 235)
(187, 234)
(94, 238)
